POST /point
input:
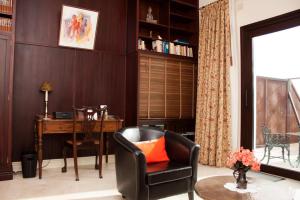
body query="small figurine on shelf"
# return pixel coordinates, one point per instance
(149, 17)
(141, 44)
(157, 44)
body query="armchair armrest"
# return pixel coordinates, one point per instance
(182, 150)
(130, 166)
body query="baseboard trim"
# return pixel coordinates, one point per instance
(6, 175)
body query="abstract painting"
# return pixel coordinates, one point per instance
(78, 27)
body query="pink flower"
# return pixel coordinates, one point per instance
(243, 159)
(255, 166)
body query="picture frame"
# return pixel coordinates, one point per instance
(78, 27)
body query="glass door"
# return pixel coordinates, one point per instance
(276, 84)
(270, 93)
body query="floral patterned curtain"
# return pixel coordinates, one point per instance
(213, 118)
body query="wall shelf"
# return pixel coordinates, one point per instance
(184, 3)
(149, 24)
(154, 53)
(179, 16)
(182, 30)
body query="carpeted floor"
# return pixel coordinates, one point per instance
(62, 186)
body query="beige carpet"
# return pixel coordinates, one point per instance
(58, 186)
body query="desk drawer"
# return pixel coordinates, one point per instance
(67, 126)
(111, 126)
(54, 127)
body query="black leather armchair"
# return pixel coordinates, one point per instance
(137, 180)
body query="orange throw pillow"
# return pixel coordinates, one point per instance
(154, 150)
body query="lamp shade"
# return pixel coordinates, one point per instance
(46, 86)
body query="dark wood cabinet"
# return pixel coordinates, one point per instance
(6, 80)
(166, 88)
(5, 108)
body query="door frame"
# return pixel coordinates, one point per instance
(281, 22)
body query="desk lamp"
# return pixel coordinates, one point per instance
(46, 87)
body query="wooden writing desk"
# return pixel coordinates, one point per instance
(63, 126)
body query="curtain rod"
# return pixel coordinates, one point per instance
(208, 5)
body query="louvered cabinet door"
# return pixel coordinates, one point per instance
(144, 87)
(187, 89)
(157, 87)
(173, 89)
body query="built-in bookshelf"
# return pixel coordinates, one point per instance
(6, 15)
(162, 63)
(173, 29)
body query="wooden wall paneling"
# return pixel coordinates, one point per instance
(101, 80)
(45, 20)
(292, 121)
(173, 89)
(38, 58)
(144, 88)
(111, 30)
(276, 101)
(260, 109)
(187, 89)
(294, 97)
(38, 21)
(132, 26)
(131, 102)
(157, 90)
(33, 66)
(292, 124)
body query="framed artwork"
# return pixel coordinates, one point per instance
(78, 28)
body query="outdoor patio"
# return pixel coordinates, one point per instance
(278, 162)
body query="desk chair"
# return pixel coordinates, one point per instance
(86, 120)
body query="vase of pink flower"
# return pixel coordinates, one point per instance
(241, 161)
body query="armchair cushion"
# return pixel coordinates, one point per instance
(154, 150)
(162, 172)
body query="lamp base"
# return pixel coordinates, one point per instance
(46, 118)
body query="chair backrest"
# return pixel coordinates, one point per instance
(136, 134)
(266, 131)
(274, 139)
(90, 120)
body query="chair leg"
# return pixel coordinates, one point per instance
(282, 149)
(96, 161)
(269, 154)
(100, 154)
(191, 195)
(64, 168)
(75, 162)
(288, 150)
(264, 153)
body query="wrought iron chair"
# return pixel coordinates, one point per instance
(86, 120)
(275, 140)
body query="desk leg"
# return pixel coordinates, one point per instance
(106, 147)
(40, 147)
